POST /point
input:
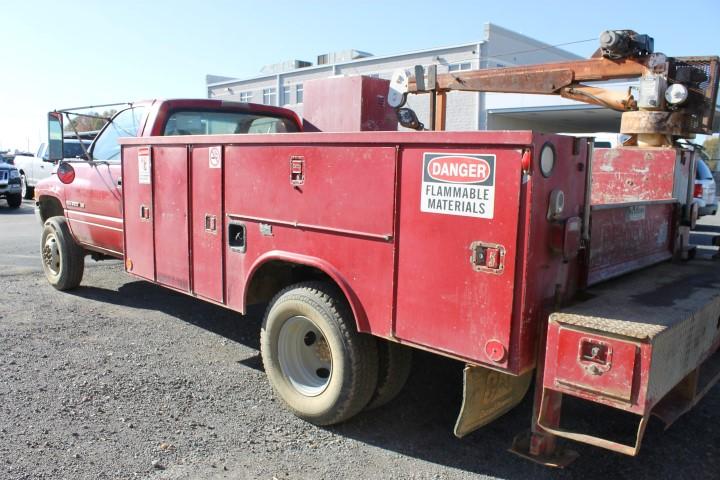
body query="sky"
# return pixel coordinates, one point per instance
(61, 54)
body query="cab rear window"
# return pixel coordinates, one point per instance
(223, 123)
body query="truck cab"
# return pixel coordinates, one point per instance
(88, 193)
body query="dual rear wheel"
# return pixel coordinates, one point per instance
(318, 364)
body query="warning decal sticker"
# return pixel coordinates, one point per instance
(215, 157)
(144, 165)
(458, 184)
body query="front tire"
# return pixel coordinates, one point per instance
(314, 358)
(14, 201)
(63, 259)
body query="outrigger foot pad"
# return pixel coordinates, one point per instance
(559, 457)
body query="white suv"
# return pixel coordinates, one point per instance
(705, 190)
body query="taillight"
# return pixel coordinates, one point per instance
(65, 172)
(698, 192)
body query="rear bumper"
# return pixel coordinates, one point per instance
(645, 343)
(708, 210)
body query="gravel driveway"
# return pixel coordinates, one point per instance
(124, 379)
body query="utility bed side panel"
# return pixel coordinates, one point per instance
(335, 212)
(553, 262)
(345, 188)
(449, 212)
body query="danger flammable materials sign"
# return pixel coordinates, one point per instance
(458, 184)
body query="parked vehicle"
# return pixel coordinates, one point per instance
(7, 157)
(705, 192)
(38, 167)
(521, 254)
(10, 185)
(92, 204)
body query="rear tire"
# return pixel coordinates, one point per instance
(14, 201)
(26, 191)
(395, 363)
(314, 358)
(63, 259)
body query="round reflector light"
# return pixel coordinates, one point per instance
(547, 159)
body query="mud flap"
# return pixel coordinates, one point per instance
(487, 395)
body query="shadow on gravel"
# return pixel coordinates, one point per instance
(215, 319)
(420, 421)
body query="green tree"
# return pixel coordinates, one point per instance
(95, 121)
(712, 147)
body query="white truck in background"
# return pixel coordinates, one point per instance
(37, 167)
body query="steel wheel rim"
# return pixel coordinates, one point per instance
(51, 255)
(304, 356)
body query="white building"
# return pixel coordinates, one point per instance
(282, 84)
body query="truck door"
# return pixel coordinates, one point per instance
(32, 172)
(94, 199)
(457, 245)
(41, 169)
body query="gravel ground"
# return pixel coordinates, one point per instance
(124, 379)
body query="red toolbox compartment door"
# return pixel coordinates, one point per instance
(207, 222)
(138, 213)
(452, 200)
(170, 175)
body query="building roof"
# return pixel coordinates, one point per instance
(487, 28)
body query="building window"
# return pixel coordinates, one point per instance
(457, 67)
(269, 96)
(299, 93)
(322, 59)
(245, 96)
(286, 95)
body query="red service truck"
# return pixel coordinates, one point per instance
(522, 254)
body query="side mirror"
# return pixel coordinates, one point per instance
(55, 137)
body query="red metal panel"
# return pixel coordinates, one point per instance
(207, 231)
(93, 201)
(626, 238)
(358, 104)
(544, 278)
(598, 364)
(633, 174)
(170, 177)
(442, 300)
(340, 219)
(349, 189)
(138, 218)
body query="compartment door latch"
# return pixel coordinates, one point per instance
(297, 170)
(487, 257)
